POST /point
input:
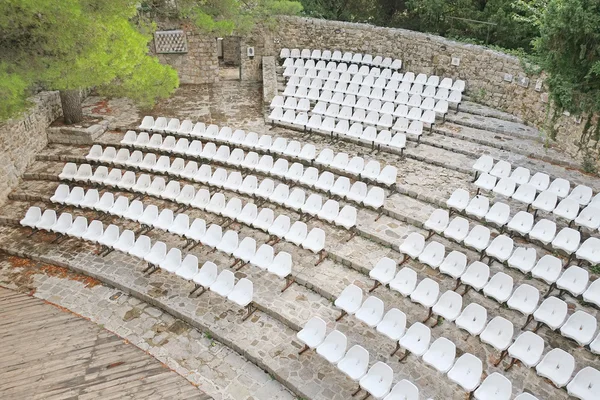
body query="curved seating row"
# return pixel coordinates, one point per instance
(370, 171)
(500, 178)
(528, 347)
(317, 89)
(187, 196)
(156, 255)
(580, 326)
(336, 55)
(312, 206)
(354, 362)
(548, 268)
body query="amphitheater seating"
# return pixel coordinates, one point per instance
(240, 293)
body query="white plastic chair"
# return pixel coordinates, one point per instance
(521, 222)
(466, 372)
(172, 261)
(433, 254)
(441, 355)
(413, 246)
(567, 240)
(585, 385)
(557, 366)
(371, 311)
(224, 283)
(496, 386)
(333, 347)
(378, 380)
(472, 319)
(349, 301)
(355, 363)
(525, 299)
(560, 187)
(459, 200)
(499, 287)
(544, 231)
(523, 259)
(580, 327)
(312, 334)
(393, 324)
(498, 214)
(457, 229)
(501, 248)
(528, 348)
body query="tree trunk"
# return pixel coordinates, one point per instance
(71, 106)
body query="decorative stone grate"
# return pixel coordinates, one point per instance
(170, 42)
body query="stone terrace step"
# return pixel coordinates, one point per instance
(495, 125)
(485, 111)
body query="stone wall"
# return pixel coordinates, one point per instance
(493, 78)
(200, 64)
(22, 138)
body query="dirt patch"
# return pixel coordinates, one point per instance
(22, 271)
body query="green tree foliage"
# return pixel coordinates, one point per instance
(568, 50)
(443, 17)
(224, 17)
(75, 44)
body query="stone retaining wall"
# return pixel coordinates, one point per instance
(22, 138)
(200, 64)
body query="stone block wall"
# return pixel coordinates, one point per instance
(22, 138)
(269, 73)
(200, 64)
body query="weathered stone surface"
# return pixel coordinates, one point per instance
(22, 137)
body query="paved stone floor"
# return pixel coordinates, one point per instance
(51, 353)
(194, 355)
(428, 173)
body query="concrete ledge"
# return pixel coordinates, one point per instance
(74, 135)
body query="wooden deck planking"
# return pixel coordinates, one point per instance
(46, 353)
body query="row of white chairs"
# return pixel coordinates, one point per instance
(195, 232)
(166, 219)
(141, 247)
(353, 73)
(353, 69)
(370, 171)
(548, 268)
(212, 132)
(540, 181)
(398, 110)
(217, 204)
(355, 132)
(354, 362)
(383, 118)
(544, 231)
(281, 169)
(336, 55)
(320, 91)
(528, 347)
(374, 103)
(380, 89)
(266, 190)
(522, 222)
(524, 298)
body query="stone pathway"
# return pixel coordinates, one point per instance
(194, 355)
(50, 353)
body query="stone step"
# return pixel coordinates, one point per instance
(495, 125)
(471, 107)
